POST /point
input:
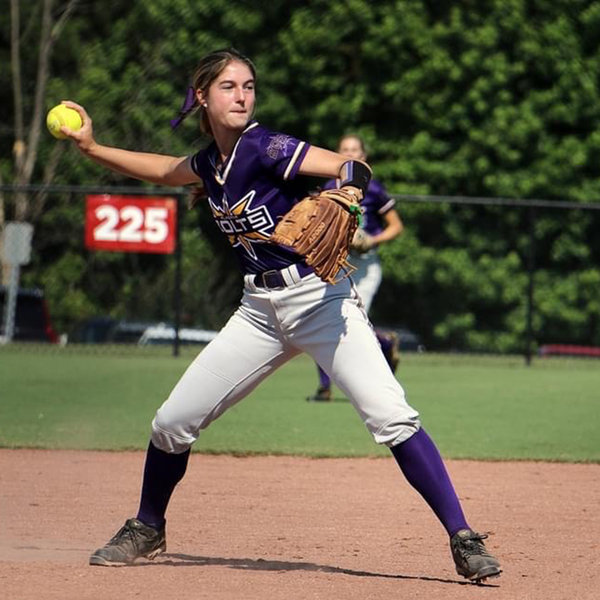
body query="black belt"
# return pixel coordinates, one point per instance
(274, 279)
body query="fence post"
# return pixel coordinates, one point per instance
(530, 273)
(10, 306)
(16, 251)
(177, 283)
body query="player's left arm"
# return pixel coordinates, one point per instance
(319, 162)
(393, 227)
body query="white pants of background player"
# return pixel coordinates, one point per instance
(367, 277)
(269, 328)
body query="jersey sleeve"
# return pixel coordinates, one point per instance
(383, 201)
(199, 163)
(281, 154)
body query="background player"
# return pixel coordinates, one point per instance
(381, 223)
(285, 309)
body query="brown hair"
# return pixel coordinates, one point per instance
(353, 136)
(209, 68)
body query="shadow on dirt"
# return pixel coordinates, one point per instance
(260, 564)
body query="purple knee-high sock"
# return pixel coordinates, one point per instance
(424, 469)
(162, 473)
(324, 381)
(386, 347)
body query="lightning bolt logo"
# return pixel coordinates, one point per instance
(242, 224)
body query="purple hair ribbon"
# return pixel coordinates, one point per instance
(188, 104)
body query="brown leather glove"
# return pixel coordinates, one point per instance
(321, 229)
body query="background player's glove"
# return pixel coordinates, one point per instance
(321, 228)
(362, 241)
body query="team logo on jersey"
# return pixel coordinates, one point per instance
(242, 224)
(278, 145)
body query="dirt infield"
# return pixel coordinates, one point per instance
(274, 528)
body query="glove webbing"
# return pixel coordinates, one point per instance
(324, 258)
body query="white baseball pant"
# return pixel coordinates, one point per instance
(367, 277)
(270, 327)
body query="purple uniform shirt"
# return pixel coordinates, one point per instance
(251, 191)
(375, 204)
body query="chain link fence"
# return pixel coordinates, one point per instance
(115, 268)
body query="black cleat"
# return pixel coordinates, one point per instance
(471, 558)
(134, 540)
(321, 395)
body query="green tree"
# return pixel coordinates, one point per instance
(27, 21)
(470, 98)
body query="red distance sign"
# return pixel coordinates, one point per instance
(130, 224)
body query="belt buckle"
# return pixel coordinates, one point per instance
(272, 279)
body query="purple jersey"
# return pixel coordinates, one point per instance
(375, 204)
(251, 191)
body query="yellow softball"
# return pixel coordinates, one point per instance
(62, 115)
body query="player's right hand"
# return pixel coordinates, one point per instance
(84, 136)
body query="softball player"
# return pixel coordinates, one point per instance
(286, 309)
(381, 223)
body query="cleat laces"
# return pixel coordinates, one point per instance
(125, 533)
(473, 546)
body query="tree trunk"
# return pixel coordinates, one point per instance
(26, 153)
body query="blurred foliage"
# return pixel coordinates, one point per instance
(470, 98)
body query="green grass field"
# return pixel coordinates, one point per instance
(474, 407)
